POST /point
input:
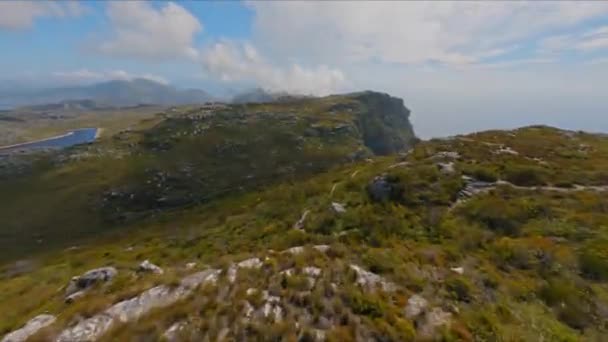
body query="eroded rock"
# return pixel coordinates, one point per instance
(147, 266)
(338, 207)
(30, 328)
(130, 310)
(370, 281)
(89, 278)
(380, 189)
(416, 304)
(433, 320)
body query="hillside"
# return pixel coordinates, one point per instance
(306, 220)
(188, 156)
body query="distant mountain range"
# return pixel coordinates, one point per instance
(117, 93)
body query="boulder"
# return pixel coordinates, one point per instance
(446, 168)
(30, 328)
(338, 207)
(380, 189)
(90, 278)
(371, 281)
(147, 266)
(459, 270)
(433, 320)
(416, 304)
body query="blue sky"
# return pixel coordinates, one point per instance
(460, 66)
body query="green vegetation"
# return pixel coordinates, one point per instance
(507, 264)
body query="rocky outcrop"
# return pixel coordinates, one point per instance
(252, 263)
(371, 281)
(338, 208)
(90, 278)
(384, 123)
(93, 328)
(380, 189)
(416, 304)
(30, 328)
(147, 266)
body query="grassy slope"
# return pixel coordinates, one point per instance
(529, 256)
(184, 158)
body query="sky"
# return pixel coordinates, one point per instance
(459, 66)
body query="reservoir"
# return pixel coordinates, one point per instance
(75, 137)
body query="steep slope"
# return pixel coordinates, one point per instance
(468, 238)
(190, 156)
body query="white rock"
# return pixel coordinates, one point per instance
(370, 280)
(447, 154)
(338, 207)
(415, 306)
(295, 250)
(302, 220)
(90, 278)
(322, 248)
(74, 296)
(30, 328)
(232, 270)
(251, 291)
(288, 272)
(446, 168)
(147, 266)
(173, 333)
(190, 265)
(318, 334)
(250, 263)
(459, 270)
(312, 271)
(130, 310)
(248, 310)
(434, 319)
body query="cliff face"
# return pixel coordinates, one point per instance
(384, 123)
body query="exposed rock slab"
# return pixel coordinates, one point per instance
(416, 304)
(132, 309)
(90, 278)
(370, 280)
(30, 328)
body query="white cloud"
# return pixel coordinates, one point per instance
(17, 15)
(408, 32)
(82, 76)
(586, 41)
(142, 31)
(230, 62)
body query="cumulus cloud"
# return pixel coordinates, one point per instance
(231, 61)
(17, 15)
(82, 76)
(409, 32)
(142, 31)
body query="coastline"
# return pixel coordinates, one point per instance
(98, 133)
(37, 141)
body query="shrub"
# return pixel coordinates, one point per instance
(484, 174)
(525, 175)
(459, 288)
(593, 261)
(364, 304)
